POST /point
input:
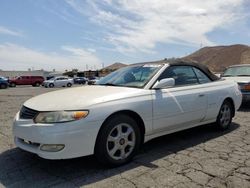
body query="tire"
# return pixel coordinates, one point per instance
(12, 84)
(225, 116)
(51, 85)
(3, 86)
(37, 84)
(118, 141)
(69, 84)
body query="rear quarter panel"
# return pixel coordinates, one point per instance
(217, 92)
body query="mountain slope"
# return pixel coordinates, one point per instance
(115, 66)
(219, 57)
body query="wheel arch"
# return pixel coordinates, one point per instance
(230, 100)
(129, 113)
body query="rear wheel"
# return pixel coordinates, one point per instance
(118, 141)
(51, 85)
(69, 84)
(225, 116)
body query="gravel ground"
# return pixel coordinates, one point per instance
(199, 157)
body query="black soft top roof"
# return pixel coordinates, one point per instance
(200, 66)
(180, 62)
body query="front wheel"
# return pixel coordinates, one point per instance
(225, 116)
(37, 84)
(3, 86)
(69, 84)
(12, 84)
(118, 141)
(51, 85)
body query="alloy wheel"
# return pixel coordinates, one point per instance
(121, 141)
(225, 115)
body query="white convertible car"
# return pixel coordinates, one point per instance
(124, 110)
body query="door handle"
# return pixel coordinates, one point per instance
(201, 95)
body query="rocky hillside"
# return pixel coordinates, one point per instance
(114, 66)
(219, 57)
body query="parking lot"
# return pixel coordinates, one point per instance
(199, 157)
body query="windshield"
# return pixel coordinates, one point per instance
(237, 71)
(131, 76)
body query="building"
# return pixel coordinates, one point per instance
(45, 74)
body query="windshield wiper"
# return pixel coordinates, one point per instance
(243, 75)
(108, 84)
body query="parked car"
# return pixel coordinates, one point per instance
(80, 80)
(60, 81)
(93, 80)
(126, 109)
(241, 75)
(3, 83)
(26, 80)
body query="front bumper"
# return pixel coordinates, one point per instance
(46, 84)
(78, 137)
(245, 96)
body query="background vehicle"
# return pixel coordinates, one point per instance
(26, 80)
(80, 80)
(241, 75)
(60, 81)
(3, 83)
(93, 80)
(125, 109)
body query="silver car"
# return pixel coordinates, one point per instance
(60, 81)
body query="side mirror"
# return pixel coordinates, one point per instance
(164, 83)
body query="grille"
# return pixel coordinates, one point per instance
(27, 113)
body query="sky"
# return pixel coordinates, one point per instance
(90, 34)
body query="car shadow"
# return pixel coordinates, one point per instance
(22, 169)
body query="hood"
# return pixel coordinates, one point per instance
(238, 79)
(80, 98)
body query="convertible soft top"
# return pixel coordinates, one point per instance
(200, 66)
(181, 62)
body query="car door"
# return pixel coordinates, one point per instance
(181, 106)
(64, 81)
(57, 82)
(25, 80)
(29, 80)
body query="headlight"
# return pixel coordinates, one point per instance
(60, 116)
(244, 87)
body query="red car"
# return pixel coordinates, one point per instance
(26, 80)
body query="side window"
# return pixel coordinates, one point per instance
(183, 75)
(202, 77)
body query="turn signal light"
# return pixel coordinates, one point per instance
(80, 114)
(246, 87)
